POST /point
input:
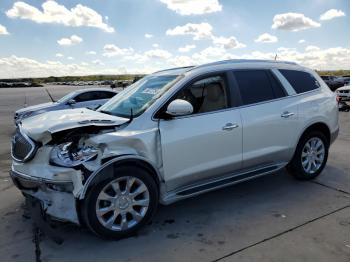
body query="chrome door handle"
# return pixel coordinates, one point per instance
(229, 126)
(287, 114)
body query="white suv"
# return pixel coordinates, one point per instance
(172, 135)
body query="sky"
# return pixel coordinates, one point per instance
(74, 37)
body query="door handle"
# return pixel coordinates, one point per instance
(229, 126)
(287, 114)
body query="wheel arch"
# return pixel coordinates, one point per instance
(317, 126)
(121, 160)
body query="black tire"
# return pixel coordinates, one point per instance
(89, 204)
(295, 167)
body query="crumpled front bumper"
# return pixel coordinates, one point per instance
(56, 197)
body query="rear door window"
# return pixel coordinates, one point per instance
(257, 86)
(301, 81)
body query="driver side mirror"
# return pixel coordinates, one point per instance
(179, 107)
(71, 102)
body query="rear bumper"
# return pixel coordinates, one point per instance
(56, 198)
(334, 135)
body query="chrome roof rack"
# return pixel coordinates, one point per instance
(238, 61)
(175, 68)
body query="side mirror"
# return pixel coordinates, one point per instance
(71, 102)
(179, 107)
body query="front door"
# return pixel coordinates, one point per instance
(207, 143)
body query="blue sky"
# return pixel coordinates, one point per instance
(43, 38)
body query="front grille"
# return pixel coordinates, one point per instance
(22, 146)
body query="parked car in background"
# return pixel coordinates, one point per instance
(343, 93)
(172, 135)
(333, 82)
(92, 97)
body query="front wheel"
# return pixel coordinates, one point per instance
(118, 206)
(310, 156)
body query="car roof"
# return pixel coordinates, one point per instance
(232, 63)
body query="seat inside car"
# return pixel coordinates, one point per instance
(214, 98)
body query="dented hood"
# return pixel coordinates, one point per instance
(40, 127)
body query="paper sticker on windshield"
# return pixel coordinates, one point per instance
(150, 91)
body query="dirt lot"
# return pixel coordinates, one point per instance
(274, 218)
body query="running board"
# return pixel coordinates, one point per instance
(225, 181)
(193, 190)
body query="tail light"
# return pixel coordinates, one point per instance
(338, 98)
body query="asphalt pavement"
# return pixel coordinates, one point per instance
(273, 218)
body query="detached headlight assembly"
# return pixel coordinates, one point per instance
(71, 155)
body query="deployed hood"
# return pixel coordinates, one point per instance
(35, 107)
(41, 127)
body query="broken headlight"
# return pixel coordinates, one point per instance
(70, 155)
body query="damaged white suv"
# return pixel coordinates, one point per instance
(172, 135)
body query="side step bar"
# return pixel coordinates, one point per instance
(226, 181)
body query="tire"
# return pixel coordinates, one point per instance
(125, 222)
(296, 167)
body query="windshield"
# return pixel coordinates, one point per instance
(66, 97)
(139, 96)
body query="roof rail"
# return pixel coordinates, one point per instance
(237, 61)
(175, 68)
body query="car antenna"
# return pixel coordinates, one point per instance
(47, 91)
(131, 116)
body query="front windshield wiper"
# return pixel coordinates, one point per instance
(106, 112)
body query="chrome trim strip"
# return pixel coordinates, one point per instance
(30, 141)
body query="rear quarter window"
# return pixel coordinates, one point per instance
(301, 81)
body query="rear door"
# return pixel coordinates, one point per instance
(207, 143)
(269, 118)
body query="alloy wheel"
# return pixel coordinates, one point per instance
(122, 203)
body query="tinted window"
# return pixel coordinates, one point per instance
(300, 81)
(257, 86)
(206, 95)
(105, 95)
(84, 97)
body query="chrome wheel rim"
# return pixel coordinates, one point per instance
(312, 155)
(122, 203)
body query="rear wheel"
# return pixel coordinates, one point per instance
(310, 156)
(117, 207)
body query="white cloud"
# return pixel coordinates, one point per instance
(73, 40)
(90, 53)
(266, 38)
(331, 13)
(148, 35)
(70, 58)
(193, 7)
(312, 48)
(111, 50)
(181, 61)
(54, 13)
(301, 41)
(158, 53)
(84, 64)
(3, 30)
(198, 31)
(59, 55)
(293, 22)
(186, 48)
(97, 62)
(227, 42)
(155, 45)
